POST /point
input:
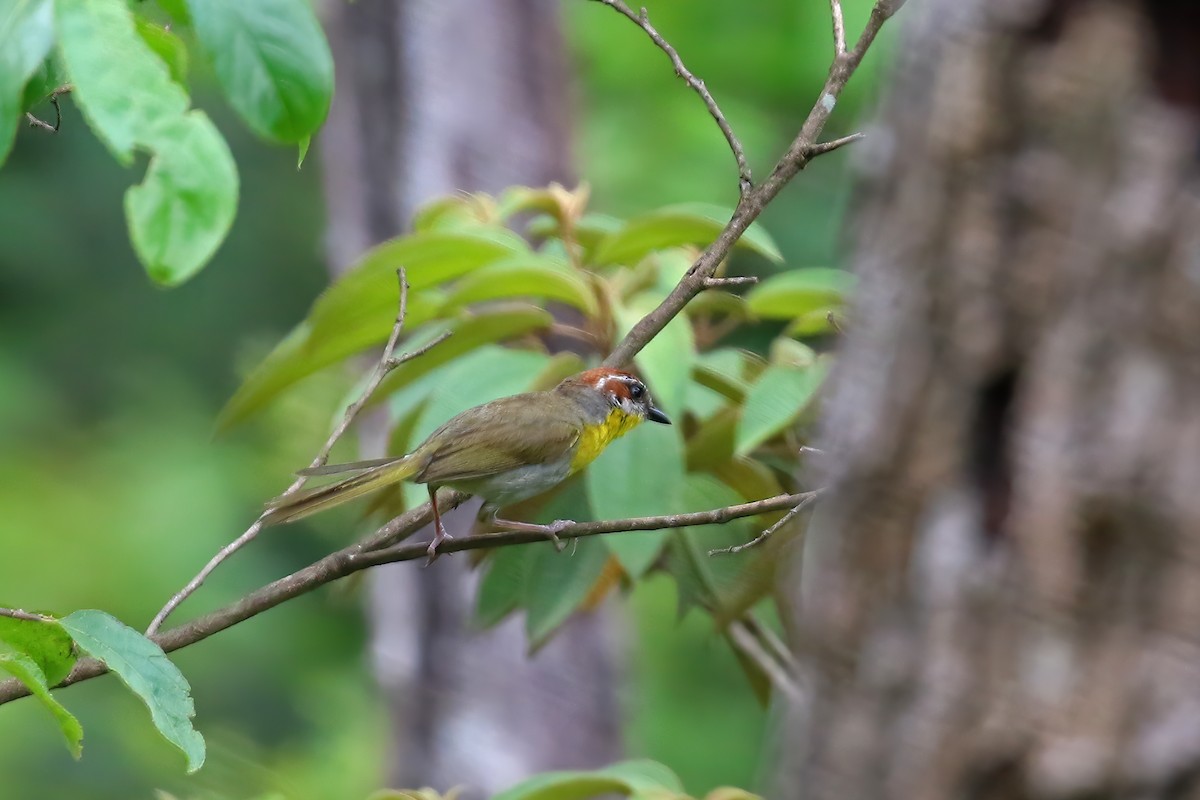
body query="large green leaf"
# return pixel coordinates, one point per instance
(182, 211)
(796, 293)
(25, 669)
(704, 581)
(145, 669)
(46, 643)
(26, 34)
(557, 583)
(503, 585)
(359, 310)
(167, 46)
(271, 60)
(686, 223)
(526, 275)
(643, 780)
(640, 474)
(780, 394)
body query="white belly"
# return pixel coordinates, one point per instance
(517, 484)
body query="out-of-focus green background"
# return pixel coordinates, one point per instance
(113, 490)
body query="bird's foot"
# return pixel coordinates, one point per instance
(550, 531)
(439, 536)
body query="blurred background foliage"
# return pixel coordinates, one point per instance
(113, 489)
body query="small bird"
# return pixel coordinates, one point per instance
(504, 451)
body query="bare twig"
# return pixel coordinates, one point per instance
(387, 362)
(801, 151)
(642, 20)
(374, 550)
(28, 616)
(748, 644)
(805, 500)
(35, 122)
(839, 28)
(738, 280)
(822, 148)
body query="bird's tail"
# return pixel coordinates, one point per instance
(371, 476)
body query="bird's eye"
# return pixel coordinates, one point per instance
(636, 391)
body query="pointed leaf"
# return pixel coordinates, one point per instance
(46, 643)
(640, 474)
(798, 292)
(558, 583)
(26, 34)
(529, 275)
(271, 60)
(145, 669)
(704, 581)
(688, 223)
(775, 401)
(25, 669)
(167, 46)
(503, 585)
(179, 215)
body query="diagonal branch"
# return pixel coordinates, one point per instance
(802, 150)
(642, 20)
(387, 362)
(375, 550)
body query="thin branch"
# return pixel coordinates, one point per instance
(35, 122)
(737, 280)
(374, 550)
(801, 151)
(839, 28)
(806, 499)
(748, 644)
(28, 616)
(642, 20)
(833, 144)
(386, 364)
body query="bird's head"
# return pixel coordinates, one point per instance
(620, 390)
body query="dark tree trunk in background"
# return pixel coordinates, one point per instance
(435, 96)
(1001, 596)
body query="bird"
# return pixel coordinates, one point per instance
(505, 451)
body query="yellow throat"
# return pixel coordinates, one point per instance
(598, 436)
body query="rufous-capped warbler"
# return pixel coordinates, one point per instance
(504, 451)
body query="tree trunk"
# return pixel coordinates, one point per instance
(1000, 597)
(435, 96)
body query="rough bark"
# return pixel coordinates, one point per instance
(435, 96)
(1000, 597)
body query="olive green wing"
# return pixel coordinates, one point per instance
(497, 437)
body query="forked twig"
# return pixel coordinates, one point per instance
(387, 362)
(806, 499)
(642, 20)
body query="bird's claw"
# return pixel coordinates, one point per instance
(554, 529)
(432, 550)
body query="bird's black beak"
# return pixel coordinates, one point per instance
(654, 415)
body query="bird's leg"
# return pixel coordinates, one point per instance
(439, 530)
(551, 531)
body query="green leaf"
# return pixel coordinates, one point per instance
(271, 60)
(640, 474)
(145, 669)
(640, 779)
(179, 215)
(124, 90)
(25, 669)
(302, 151)
(798, 292)
(46, 643)
(687, 223)
(467, 335)
(814, 323)
(777, 399)
(182, 211)
(704, 581)
(167, 46)
(503, 584)
(525, 275)
(358, 310)
(557, 583)
(666, 361)
(49, 76)
(26, 34)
